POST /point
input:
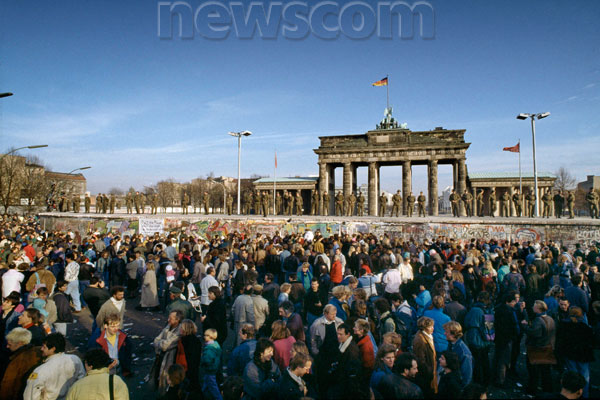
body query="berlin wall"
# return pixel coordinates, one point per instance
(568, 232)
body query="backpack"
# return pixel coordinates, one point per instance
(410, 322)
(490, 332)
(400, 328)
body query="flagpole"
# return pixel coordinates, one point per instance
(275, 184)
(520, 177)
(387, 87)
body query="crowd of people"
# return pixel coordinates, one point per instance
(297, 316)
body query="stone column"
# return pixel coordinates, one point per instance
(454, 174)
(354, 178)
(539, 200)
(432, 180)
(462, 182)
(406, 183)
(347, 178)
(497, 213)
(323, 185)
(474, 205)
(373, 188)
(331, 173)
(511, 208)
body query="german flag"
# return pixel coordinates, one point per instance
(382, 82)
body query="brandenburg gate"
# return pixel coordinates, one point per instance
(390, 145)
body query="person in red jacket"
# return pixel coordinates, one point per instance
(367, 353)
(116, 344)
(336, 273)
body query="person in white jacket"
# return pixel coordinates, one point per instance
(59, 371)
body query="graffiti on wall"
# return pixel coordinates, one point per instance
(566, 234)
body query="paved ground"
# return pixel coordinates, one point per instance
(143, 327)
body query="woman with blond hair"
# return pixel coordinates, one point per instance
(189, 351)
(339, 300)
(283, 342)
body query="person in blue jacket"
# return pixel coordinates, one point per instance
(439, 318)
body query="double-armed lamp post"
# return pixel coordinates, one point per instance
(239, 136)
(524, 116)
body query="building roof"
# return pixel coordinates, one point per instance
(508, 175)
(306, 179)
(64, 175)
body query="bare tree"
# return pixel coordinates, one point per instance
(196, 191)
(12, 167)
(166, 191)
(35, 185)
(564, 179)
(116, 191)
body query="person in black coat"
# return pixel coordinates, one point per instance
(507, 330)
(63, 308)
(192, 349)
(291, 385)
(575, 344)
(400, 384)
(117, 269)
(178, 384)
(450, 386)
(345, 370)
(216, 317)
(95, 295)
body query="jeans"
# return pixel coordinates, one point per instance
(210, 387)
(73, 291)
(584, 370)
(82, 286)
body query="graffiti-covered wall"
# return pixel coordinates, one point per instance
(567, 233)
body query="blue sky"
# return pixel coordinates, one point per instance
(94, 81)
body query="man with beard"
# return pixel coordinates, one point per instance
(400, 384)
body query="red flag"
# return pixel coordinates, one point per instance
(514, 149)
(275, 159)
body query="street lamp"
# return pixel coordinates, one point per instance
(8, 94)
(59, 185)
(224, 192)
(524, 116)
(78, 169)
(37, 146)
(239, 136)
